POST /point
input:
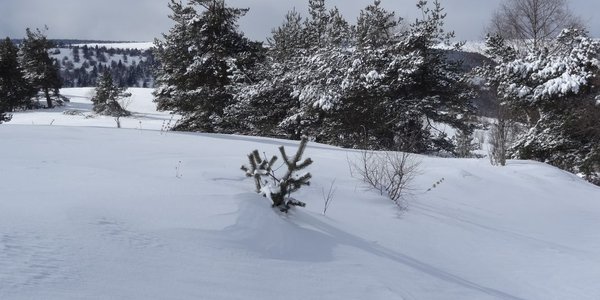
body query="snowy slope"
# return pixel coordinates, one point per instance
(106, 213)
(78, 112)
(65, 55)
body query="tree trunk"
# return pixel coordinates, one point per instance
(48, 99)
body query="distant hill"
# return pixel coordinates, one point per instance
(67, 42)
(81, 64)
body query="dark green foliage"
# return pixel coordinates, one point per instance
(278, 189)
(555, 96)
(567, 137)
(372, 85)
(398, 85)
(40, 70)
(15, 91)
(375, 26)
(199, 59)
(106, 99)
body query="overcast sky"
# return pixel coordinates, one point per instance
(143, 20)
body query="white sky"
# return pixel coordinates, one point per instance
(143, 20)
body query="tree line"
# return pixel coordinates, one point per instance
(383, 83)
(27, 73)
(36, 67)
(82, 66)
(363, 85)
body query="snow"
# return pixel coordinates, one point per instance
(79, 112)
(475, 46)
(89, 212)
(131, 45)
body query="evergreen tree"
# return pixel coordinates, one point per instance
(39, 68)
(435, 88)
(197, 60)
(389, 90)
(279, 96)
(15, 91)
(107, 97)
(373, 86)
(288, 39)
(559, 93)
(375, 26)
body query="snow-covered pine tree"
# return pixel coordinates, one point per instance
(375, 27)
(260, 104)
(263, 98)
(287, 39)
(315, 26)
(107, 97)
(173, 58)
(39, 68)
(315, 71)
(396, 84)
(559, 92)
(358, 101)
(435, 88)
(197, 60)
(15, 91)
(365, 86)
(278, 101)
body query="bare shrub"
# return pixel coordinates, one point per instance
(390, 173)
(500, 136)
(532, 24)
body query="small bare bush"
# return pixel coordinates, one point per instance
(390, 173)
(502, 133)
(328, 196)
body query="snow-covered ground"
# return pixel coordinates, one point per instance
(476, 46)
(131, 45)
(106, 213)
(78, 112)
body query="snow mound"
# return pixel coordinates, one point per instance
(275, 236)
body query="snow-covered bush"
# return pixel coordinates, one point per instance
(279, 188)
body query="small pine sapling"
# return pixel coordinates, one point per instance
(258, 167)
(280, 188)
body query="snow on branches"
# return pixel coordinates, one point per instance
(556, 93)
(278, 189)
(541, 77)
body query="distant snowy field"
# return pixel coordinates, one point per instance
(132, 45)
(78, 112)
(106, 213)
